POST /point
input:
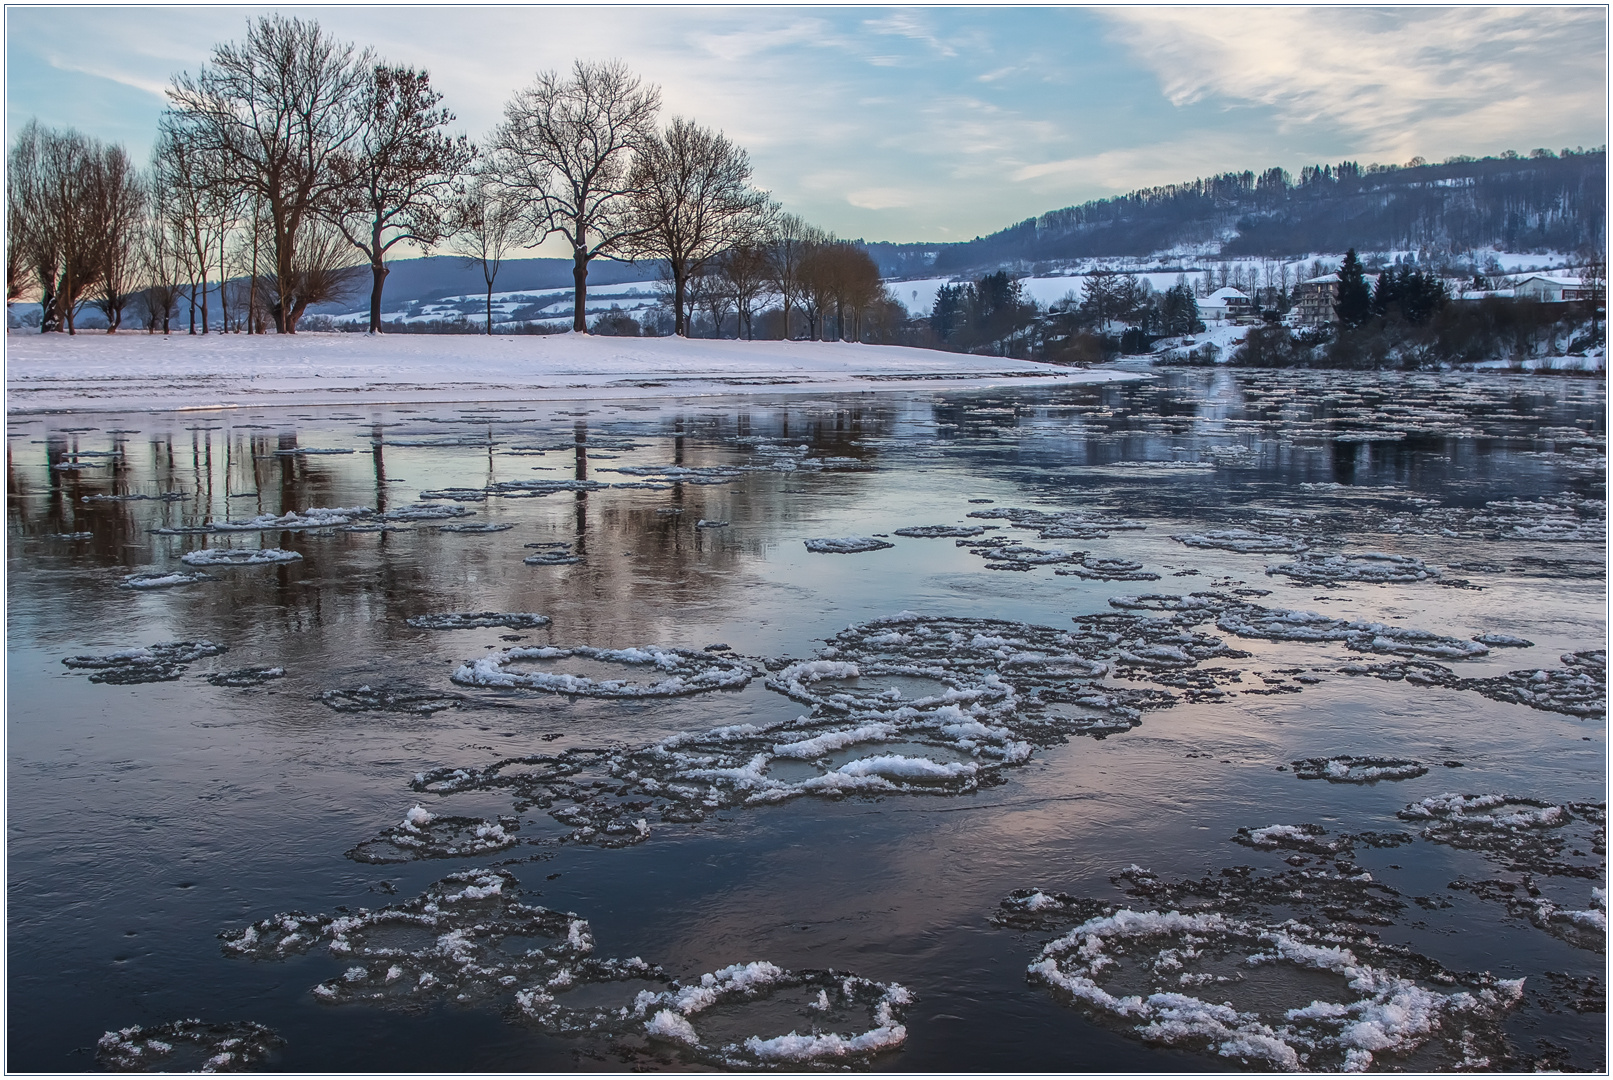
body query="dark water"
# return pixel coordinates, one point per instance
(146, 819)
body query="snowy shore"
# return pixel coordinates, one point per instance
(139, 371)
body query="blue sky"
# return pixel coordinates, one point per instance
(930, 123)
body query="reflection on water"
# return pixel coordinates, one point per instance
(238, 801)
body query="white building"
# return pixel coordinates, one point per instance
(1549, 288)
(1225, 304)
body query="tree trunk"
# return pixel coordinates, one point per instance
(223, 275)
(489, 307)
(49, 319)
(681, 324)
(379, 270)
(579, 277)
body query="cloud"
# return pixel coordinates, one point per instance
(883, 198)
(907, 24)
(1397, 80)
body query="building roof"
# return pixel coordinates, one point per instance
(1320, 280)
(1554, 279)
(1227, 294)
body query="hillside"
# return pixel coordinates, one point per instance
(1519, 204)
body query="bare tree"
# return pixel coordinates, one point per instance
(194, 199)
(160, 268)
(566, 146)
(116, 204)
(399, 177)
(790, 240)
(275, 112)
(691, 200)
(745, 269)
(49, 177)
(317, 276)
(485, 225)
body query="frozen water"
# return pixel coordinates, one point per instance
(1349, 769)
(247, 676)
(558, 554)
(485, 527)
(1245, 541)
(187, 1046)
(1524, 834)
(846, 545)
(1060, 524)
(424, 835)
(390, 699)
(313, 518)
(1503, 641)
(681, 672)
(428, 512)
(681, 1017)
(156, 663)
(1373, 567)
(163, 581)
(1275, 996)
(465, 939)
(472, 620)
(941, 530)
(239, 557)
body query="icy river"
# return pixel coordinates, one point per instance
(1209, 721)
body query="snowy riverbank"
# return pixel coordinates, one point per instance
(138, 371)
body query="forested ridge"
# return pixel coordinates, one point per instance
(1544, 201)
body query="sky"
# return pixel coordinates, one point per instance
(928, 124)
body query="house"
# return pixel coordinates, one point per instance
(1549, 288)
(1314, 299)
(1227, 304)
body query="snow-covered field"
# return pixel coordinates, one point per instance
(134, 370)
(546, 306)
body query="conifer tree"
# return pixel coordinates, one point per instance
(1354, 304)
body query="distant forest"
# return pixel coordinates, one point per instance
(1541, 202)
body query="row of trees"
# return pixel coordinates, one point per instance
(993, 315)
(291, 154)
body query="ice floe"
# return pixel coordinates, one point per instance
(1577, 689)
(483, 527)
(1373, 567)
(1349, 769)
(1245, 541)
(823, 1001)
(295, 521)
(367, 698)
(1583, 928)
(247, 676)
(428, 512)
(155, 580)
(1276, 995)
(932, 531)
(474, 620)
(465, 939)
(239, 557)
(156, 663)
(846, 545)
(1525, 835)
(556, 553)
(1060, 524)
(187, 1046)
(680, 672)
(424, 835)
